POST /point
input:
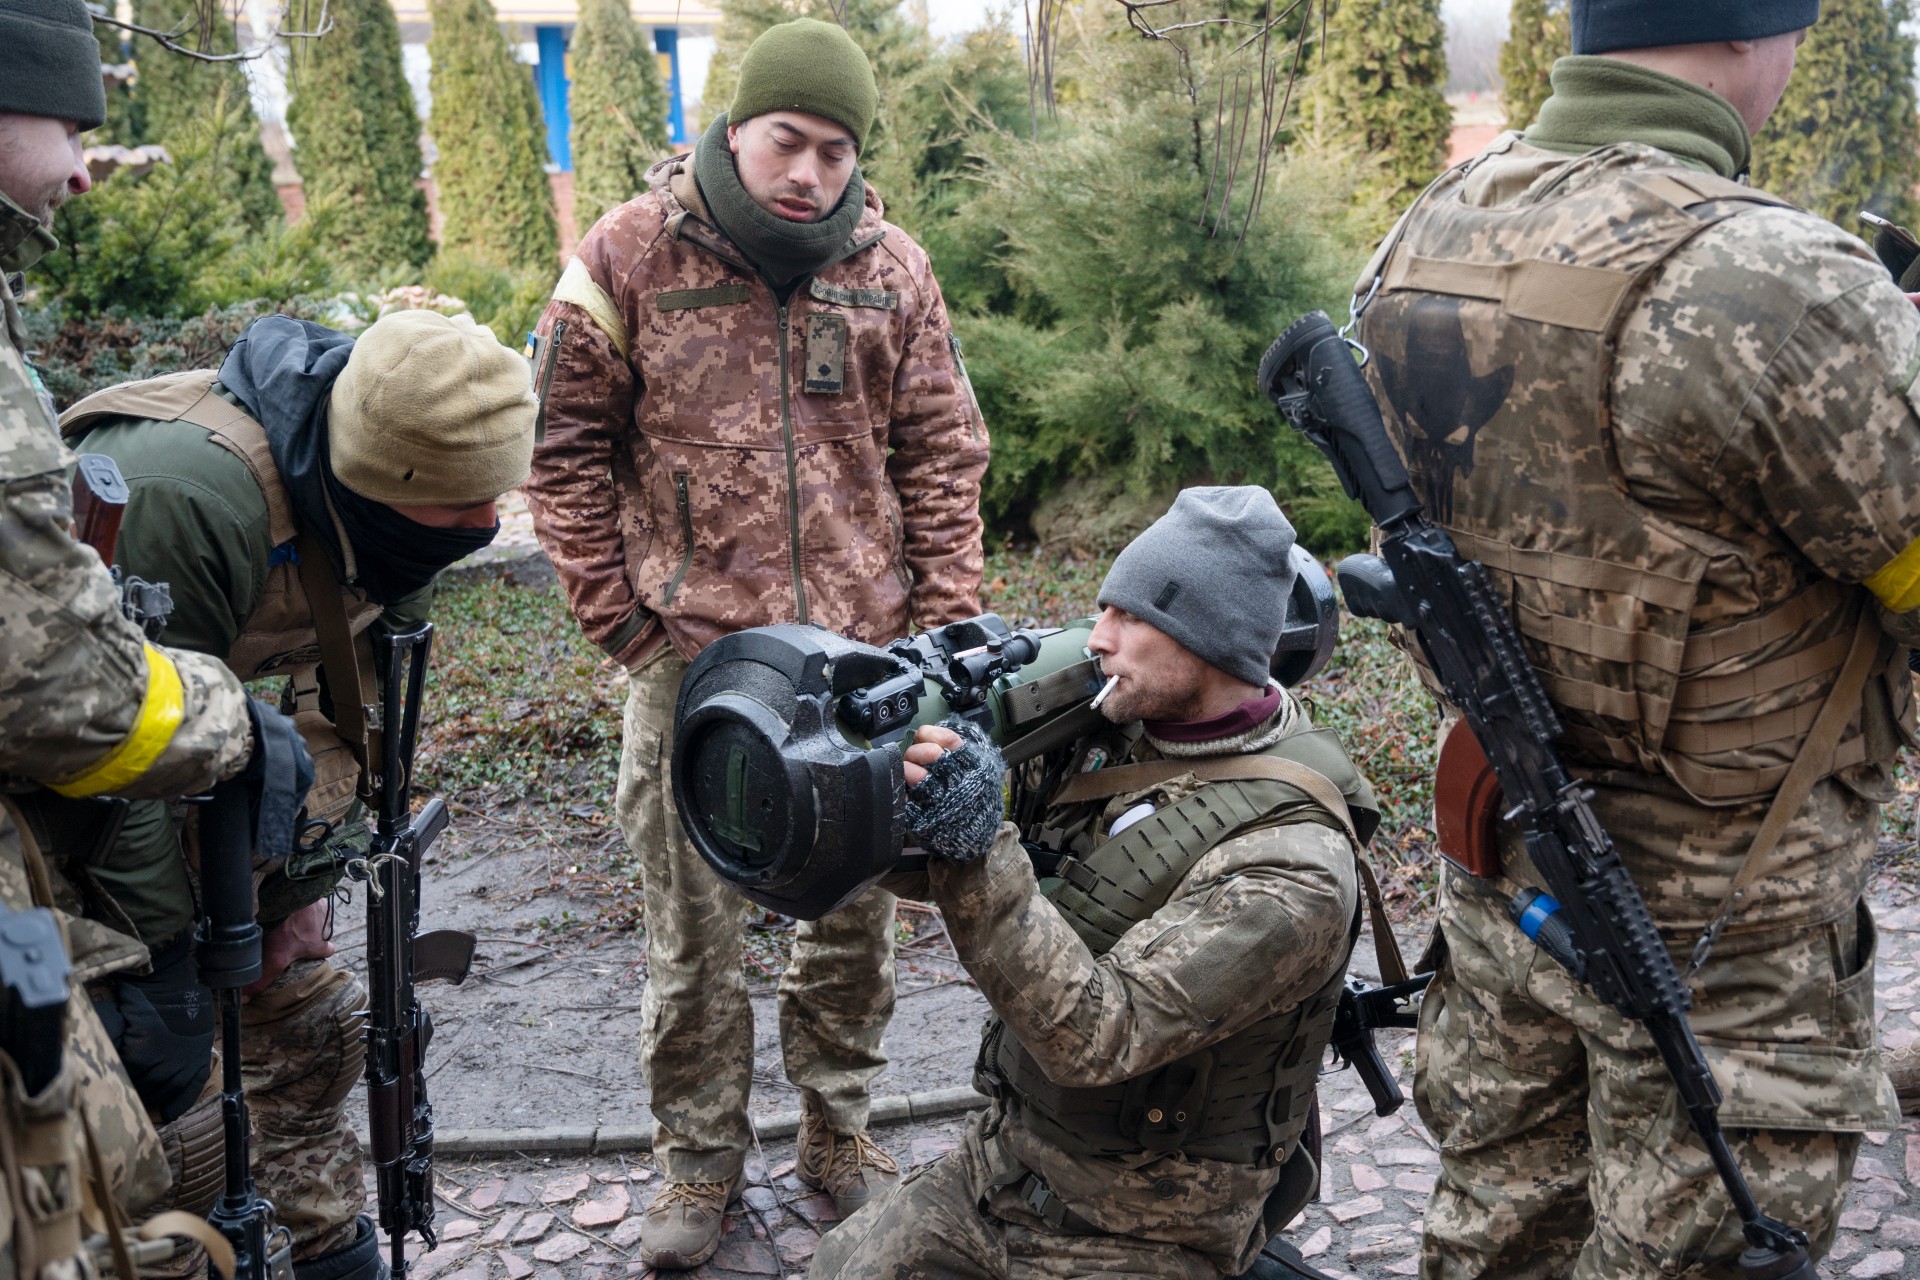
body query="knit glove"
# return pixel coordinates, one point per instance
(954, 812)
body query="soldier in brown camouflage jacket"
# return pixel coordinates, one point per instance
(1676, 419)
(754, 413)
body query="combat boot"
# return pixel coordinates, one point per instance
(850, 1167)
(360, 1260)
(681, 1228)
(1903, 1064)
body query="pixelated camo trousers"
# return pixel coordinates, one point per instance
(303, 1049)
(696, 1038)
(1563, 1149)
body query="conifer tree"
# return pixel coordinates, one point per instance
(1845, 137)
(126, 124)
(1539, 32)
(1378, 94)
(173, 93)
(352, 118)
(619, 108)
(491, 174)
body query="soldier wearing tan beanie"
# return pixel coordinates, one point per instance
(382, 457)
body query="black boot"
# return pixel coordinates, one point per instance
(360, 1260)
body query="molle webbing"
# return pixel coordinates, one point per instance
(1244, 1100)
(1520, 306)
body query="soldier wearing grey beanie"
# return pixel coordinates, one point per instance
(1214, 573)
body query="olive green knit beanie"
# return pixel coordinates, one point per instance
(431, 409)
(811, 66)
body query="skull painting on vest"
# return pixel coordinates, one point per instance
(1492, 334)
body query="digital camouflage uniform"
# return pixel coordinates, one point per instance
(88, 705)
(207, 515)
(716, 458)
(1229, 980)
(1676, 421)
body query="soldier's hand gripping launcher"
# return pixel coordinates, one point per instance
(787, 739)
(1593, 920)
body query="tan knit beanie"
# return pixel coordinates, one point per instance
(431, 409)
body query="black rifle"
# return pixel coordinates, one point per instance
(1594, 921)
(1364, 1010)
(399, 1117)
(255, 811)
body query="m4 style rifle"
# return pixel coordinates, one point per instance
(1593, 920)
(399, 1116)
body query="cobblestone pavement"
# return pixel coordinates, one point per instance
(579, 1219)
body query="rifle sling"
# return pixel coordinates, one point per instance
(1104, 784)
(1816, 760)
(348, 660)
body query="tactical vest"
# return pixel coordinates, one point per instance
(1245, 1099)
(1493, 336)
(280, 636)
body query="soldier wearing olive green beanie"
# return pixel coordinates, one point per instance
(811, 66)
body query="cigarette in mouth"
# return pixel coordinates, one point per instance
(1105, 689)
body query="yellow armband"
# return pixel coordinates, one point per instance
(1897, 585)
(161, 711)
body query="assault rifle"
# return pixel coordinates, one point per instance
(253, 814)
(1593, 921)
(399, 1116)
(99, 504)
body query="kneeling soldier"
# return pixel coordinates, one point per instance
(1163, 999)
(297, 500)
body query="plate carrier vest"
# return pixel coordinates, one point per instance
(1246, 1098)
(282, 636)
(1493, 335)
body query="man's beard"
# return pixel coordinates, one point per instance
(1152, 698)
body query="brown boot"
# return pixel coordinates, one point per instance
(681, 1228)
(1903, 1064)
(850, 1167)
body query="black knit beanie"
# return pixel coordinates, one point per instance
(50, 62)
(1602, 26)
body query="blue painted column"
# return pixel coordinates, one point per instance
(667, 40)
(550, 78)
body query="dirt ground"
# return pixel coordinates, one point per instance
(543, 1038)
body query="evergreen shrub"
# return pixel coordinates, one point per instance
(1539, 32)
(619, 107)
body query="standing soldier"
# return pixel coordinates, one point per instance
(295, 502)
(87, 706)
(1675, 418)
(755, 413)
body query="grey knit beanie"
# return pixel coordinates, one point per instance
(1214, 573)
(50, 62)
(1602, 26)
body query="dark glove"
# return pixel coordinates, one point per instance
(278, 775)
(954, 812)
(163, 1025)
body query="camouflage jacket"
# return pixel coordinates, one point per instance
(1760, 406)
(85, 703)
(716, 459)
(1257, 925)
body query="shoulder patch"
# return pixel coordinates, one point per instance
(577, 286)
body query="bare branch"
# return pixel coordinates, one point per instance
(197, 35)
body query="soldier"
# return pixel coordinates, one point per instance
(1675, 418)
(1153, 1050)
(295, 502)
(755, 414)
(87, 706)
